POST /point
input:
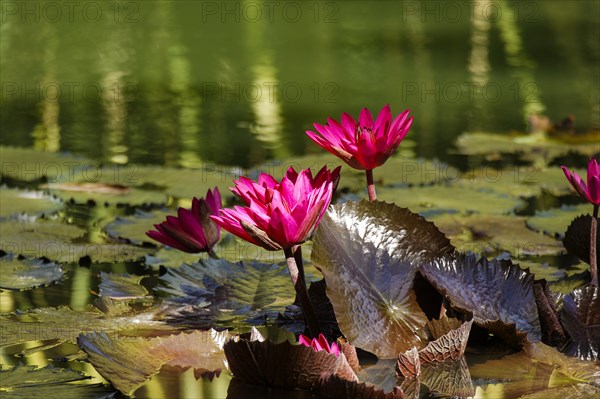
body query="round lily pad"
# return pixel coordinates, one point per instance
(21, 273)
(493, 234)
(134, 228)
(60, 242)
(450, 198)
(32, 203)
(554, 222)
(105, 194)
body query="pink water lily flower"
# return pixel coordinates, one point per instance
(365, 144)
(192, 230)
(279, 215)
(591, 191)
(320, 344)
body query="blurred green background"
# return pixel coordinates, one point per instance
(180, 83)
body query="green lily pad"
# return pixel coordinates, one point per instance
(218, 287)
(32, 203)
(554, 222)
(128, 363)
(24, 164)
(63, 324)
(493, 234)
(49, 382)
(60, 242)
(368, 253)
(532, 147)
(121, 286)
(104, 194)
(22, 273)
(133, 228)
(450, 199)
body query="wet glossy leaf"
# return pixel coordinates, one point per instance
(368, 253)
(498, 293)
(555, 222)
(60, 242)
(130, 362)
(450, 198)
(133, 228)
(49, 382)
(494, 234)
(22, 273)
(121, 286)
(283, 364)
(217, 287)
(332, 386)
(450, 340)
(577, 238)
(408, 364)
(32, 203)
(581, 319)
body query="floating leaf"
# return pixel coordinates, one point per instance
(283, 364)
(216, 287)
(49, 382)
(555, 222)
(581, 319)
(21, 273)
(121, 286)
(368, 253)
(130, 362)
(531, 147)
(333, 386)
(105, 194)
(408, 364)
(32, 203)
(448, 378)
(133, 228)
(450, 198)
(577, 238)
(494, 234)
(498, 293)
(60, 242)
(63, 324)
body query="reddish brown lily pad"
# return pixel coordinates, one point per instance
(581, 318)
(368, 253)
(283, 364)
(450, 343)
(497, 293)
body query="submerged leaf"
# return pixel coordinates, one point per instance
(368, 253)
(581, 319)
(49, 382)
(497, 293)
(448, 378)
(129, 362)
(21, 273)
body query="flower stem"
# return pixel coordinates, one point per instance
(301, 292)
(370, 185)
(213, 254)
(298, 257)
(593, 257)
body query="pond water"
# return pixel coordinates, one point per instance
(193, 83)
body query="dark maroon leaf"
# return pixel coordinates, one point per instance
(581, 318)
(368, 253)
(577, 238)
(497, 293)
(283, 364)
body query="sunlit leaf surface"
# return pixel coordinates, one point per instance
(32, 203)
(581, 318)
(368, 253)
(22, 273)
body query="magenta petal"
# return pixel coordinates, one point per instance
(594, 190)
(365, 118)
(304, 340)
(383, 120)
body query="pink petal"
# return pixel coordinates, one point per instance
(304, 340)
(383, 121)
(366, 119)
